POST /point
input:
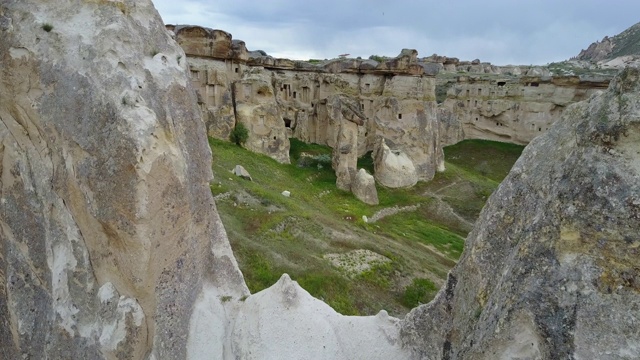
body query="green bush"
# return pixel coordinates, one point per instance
(421, 291)
(47, 27)
(239, 134)
(378, 58)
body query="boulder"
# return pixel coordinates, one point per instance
(240, 171)
(393, 168)
(364, 188)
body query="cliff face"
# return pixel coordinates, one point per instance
(277, 99)
(109, 238)
(550, 269)
(514, 110)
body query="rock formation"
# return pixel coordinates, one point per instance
(110, 244)
(609, 48)
(551, 267)
(514, 110)
(393, 169)
(279, 98)
(111, 247)
(285, 322)
(364, 188)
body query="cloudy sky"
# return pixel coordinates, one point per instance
(499, 31)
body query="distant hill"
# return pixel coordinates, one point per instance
(624, 44)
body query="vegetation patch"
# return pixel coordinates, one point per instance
(271, 234)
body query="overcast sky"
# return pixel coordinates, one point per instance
(499, 31)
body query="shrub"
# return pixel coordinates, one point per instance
(421, 291)
(239, 134)
(47, 27)
(378, 58)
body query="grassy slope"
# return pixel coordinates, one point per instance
(272, 234)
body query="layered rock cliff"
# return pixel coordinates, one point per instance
(512, 109)
(278, 98)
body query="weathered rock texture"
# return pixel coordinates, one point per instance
(109, 239)
(286, 322)
(364, 188)
(550, 270)
(609, 48)
(278, 98)
(511, 109)
(111, 247)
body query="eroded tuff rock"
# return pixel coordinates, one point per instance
(281, 98)
(514, 110)
(364, 188)
(550, 270)
(286, 322)
(393, 168)
(109, 239)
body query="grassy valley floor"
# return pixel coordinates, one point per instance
(318, 236)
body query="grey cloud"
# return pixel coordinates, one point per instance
(499, 31)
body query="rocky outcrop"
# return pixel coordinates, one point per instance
(110, 245)
(393, 168)
(279, 98)
(364, 188)
(609, 48)
(550, 269)
(514, 110)
(285, 322)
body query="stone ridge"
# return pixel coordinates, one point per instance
(625, 44)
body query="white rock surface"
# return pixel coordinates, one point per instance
(240, 171)
(393, 168)
(364, 188)
(286, 322)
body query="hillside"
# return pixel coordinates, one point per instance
(408, 254)
(627, 43)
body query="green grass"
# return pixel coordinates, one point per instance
(272, 234)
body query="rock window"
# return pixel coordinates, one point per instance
(476, 119)
(534, 84)
(294, 94)
(502, 83)
(367, 87)
(476, 103)
(399, 116)
(479, 92)
(236, 70)
(194, 74)
(287, 123)
(539, 129)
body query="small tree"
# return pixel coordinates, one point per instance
(239, 134)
